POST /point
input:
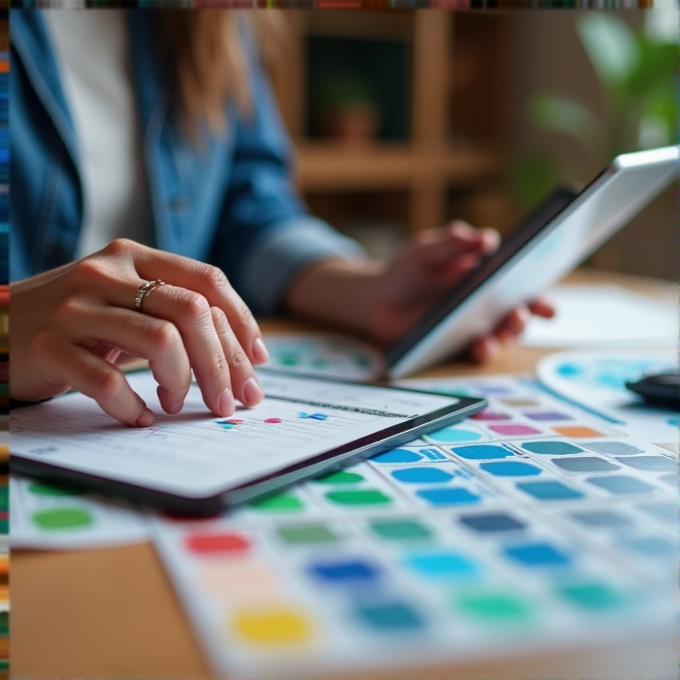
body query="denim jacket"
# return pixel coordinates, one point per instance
(228, 200)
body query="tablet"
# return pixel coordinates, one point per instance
(196, 463)
(568, 227)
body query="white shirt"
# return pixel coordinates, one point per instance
(93, 54)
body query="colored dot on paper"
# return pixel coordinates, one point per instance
(453, 435)
(340, 477)
(590, 596)
(577, 431)
(441, 565)
(552, 448)
(359, 497)
(63, 518)
(391, 616)
(400, 530)
(304, 534)
(511, 469)
(422, 475)
(514, 430)
(448, 496)
(537, 555)
(217, 543)
(272, 420)
(280, 502)
(493, 606)
(346, 572)
(272, 627)
(398, 456)
(482, 452)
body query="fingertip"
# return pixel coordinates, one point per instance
(146, 419)
(252, 392)
(259, 351)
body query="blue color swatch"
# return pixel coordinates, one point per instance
(511, 469)
(549, 491)
(491, 523)
(350, 572)
(621, 484)
(537, 555)
(441, 565)
(651, 463)
(552, 448)
(482, 452)
(450, 496)
(398, 456)
(390, 616)
(585, 464)
(602, 519)
(422, 475)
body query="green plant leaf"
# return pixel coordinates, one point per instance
(611, 48)
(567, 117)
(534, 175)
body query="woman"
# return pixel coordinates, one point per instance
(150, 172)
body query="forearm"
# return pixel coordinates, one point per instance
(338, 291)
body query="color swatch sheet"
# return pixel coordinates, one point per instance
(67, 518)
(532, 526)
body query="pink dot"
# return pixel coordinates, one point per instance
(216, 542)
(273, 420)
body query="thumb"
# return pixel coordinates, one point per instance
(457, 239)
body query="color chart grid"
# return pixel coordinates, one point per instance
(531, 527)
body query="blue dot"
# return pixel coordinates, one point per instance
(351, 572)
(398, 456)
(549, 491)
(511, 469)
(537, 555)
(454, 434)
(390, 616)
(448, 496)
(440, 565)
(422, 475)
(482, 452)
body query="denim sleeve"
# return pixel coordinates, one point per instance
(266, 235)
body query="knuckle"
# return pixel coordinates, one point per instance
(43, 343)
(165, 335)
(106, 383)
(193, 305)
(213, 276)
(86, 271)
(237, 358)
(219, 320)
(245, 316)
(120, 246)
(219, 365)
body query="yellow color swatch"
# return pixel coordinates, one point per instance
(279, 626)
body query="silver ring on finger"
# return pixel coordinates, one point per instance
(145, 290)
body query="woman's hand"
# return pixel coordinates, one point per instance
(431, 264)
(70, 324)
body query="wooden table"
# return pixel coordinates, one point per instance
(113, 612)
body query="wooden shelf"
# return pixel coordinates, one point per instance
(326, 166)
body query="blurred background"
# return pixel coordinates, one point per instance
(406, 119)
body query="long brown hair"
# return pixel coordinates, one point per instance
(204, 49)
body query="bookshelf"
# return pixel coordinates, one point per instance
(445, 152)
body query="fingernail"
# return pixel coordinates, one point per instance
(146, 419)
(260, 353)
(252, 392)
(176, 407)
(227, 404)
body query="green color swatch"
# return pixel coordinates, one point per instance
(400, 530)
(63, 518)
(493, 606)
(358, 497)
(591, 596)
(307, 533)
(279, 502)
(62, 490)
(340, 477)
